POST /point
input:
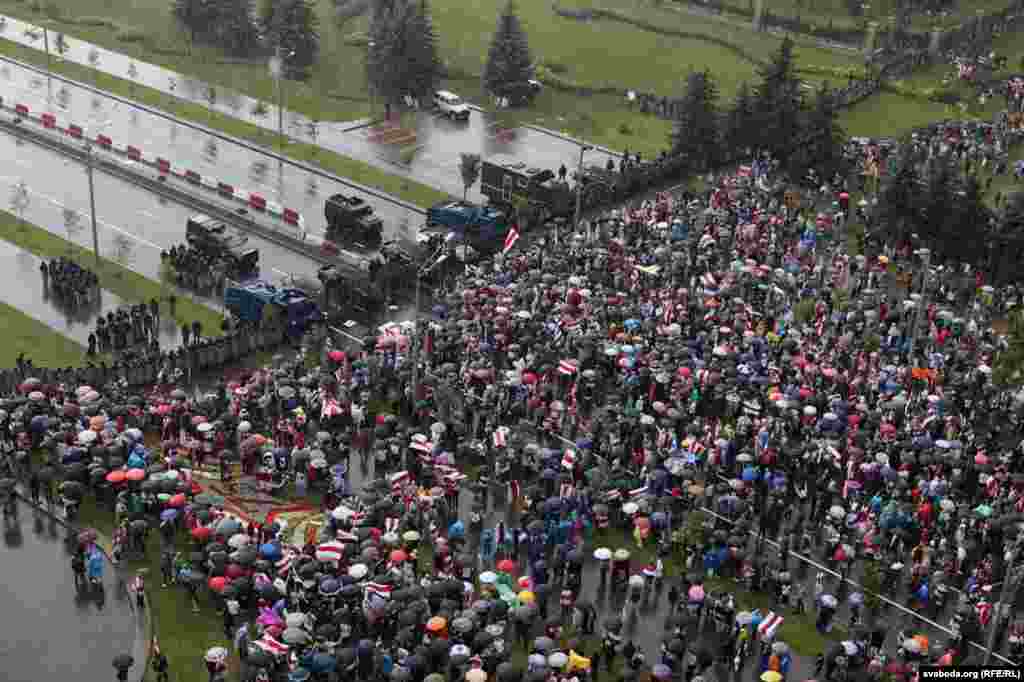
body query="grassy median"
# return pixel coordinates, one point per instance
(117, 279)
(45, 346)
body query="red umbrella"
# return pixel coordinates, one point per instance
(507, 566)
(336, 355)
(840, 555)
(116, 476)
(218, 583)
(177, 501)
(135, 474)
(234, 571)
(201, 533)
(398, 556)
(529, 378)
(198, 419)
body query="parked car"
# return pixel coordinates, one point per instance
(451, 105)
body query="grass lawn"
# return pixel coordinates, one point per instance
(887, 114)
(642, 60)
(46, 347)
(125, 283)
(184, 636)
(358, 171)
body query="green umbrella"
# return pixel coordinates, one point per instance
(983, 510)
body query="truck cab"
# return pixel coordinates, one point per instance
(211, 237)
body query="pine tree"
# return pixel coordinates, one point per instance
(402, 58)
(195, 16)
(1008, 240)
(738, 131)
(695, 133)
(424, 61)
(821, 145)
(967, 236)
(898, 202)
(292, 26)
(235, 29)
(509, 64)
(777, 103)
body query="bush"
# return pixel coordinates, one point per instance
(555, 67)
(98, 22)
(130, 34)
(356, 40)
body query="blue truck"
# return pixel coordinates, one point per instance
(263, 301)
(482, 227)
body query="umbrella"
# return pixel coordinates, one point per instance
(217, 654)
(294, 635)
(771, 676)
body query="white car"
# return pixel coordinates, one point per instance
(451, 105)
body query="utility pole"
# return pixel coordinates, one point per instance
(584, 148)
(926, 256)
(435, 259)
(92, 204)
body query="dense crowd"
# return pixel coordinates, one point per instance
(73, 285)
(650, 403)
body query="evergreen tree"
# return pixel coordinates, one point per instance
(738, 133)
(424, 61)
(821, 146)
(509, 64)
(967, 235)
(899, 205)
(195, 16)
(292, 26)
(937, 203)
(234, 28)
(777, 103)
(1007, 243)
(402, 58)
(695, 133)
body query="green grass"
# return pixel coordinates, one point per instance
(183, 636)
(887, 115)
(117, 279)
(46, 347)
(642, 60)
(358, 171)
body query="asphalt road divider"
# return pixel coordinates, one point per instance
(251, 200)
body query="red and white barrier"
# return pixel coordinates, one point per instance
(253, 200)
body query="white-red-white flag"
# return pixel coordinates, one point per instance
(510, 239)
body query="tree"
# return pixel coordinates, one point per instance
(292, 26)
(509, 64)
(401, 57)
(967, 234)
(21, 198)
(72, 223)
(347, 10)
(1008, 241)
(469, 167)
(195, 16)
(695, 133)
(738, 130)
(235, 29)
(822, 146)
(777, 103)
(898, 203)
(123, 249)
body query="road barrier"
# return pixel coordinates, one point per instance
(288, 216)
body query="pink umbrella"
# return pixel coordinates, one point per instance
(696, 593)
(980, 459)
(268, 618)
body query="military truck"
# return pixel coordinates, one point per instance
(260, 301)
(351, 221)
(512, 185)
(210, 236)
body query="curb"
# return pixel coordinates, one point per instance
(103, 542)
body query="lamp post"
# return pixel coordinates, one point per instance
(584, 148)
(49, 65)
(926, 256)
(92, 203)
(438, 257)
(1010, 579)
(277, 72)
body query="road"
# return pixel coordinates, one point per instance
(435, 146)
(57, 184)
(53, 632)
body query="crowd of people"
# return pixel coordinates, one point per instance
(75, 286)
(638, 409)
(194, 270)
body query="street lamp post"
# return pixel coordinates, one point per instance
(49, 65)
(277, 72)
(1008, 594)
(584, 148)
(92, 203)
(435, 259)
(926, 256)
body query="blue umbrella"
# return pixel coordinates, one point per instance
(39, 423)
(168, 514)
(329, 586)
(319, 663)
(751, 474)
(270, 551)
(632, 323)
(298, 675)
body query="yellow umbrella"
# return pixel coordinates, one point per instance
(771, 676)
(527, 597)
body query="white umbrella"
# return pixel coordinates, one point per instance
(602, 554)
(238, 541)
(850, 648)
(557, 660)
(217, 654)
(630, 508)
(828, 601)
(358, 571)
(205, 427)
(488, 577)
(87, 437)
